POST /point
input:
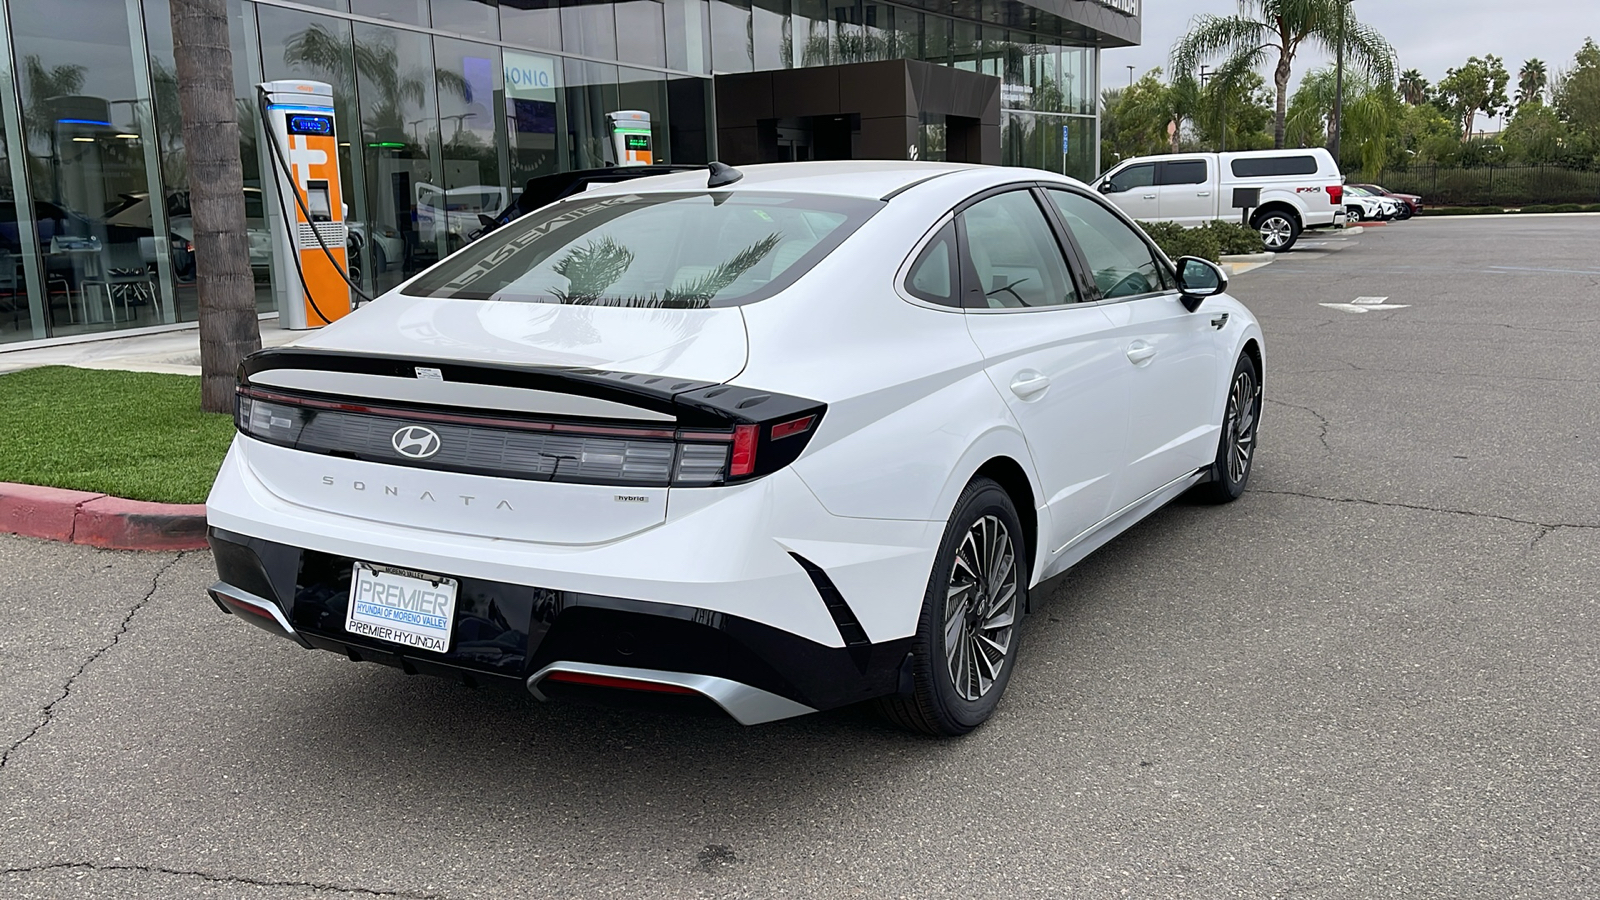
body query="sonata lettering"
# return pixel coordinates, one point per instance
(390, 490)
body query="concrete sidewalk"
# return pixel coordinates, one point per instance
(173, 352)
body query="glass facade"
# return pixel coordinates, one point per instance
(445, 108)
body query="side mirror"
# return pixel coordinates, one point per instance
(1108, 188)
(1198, 279)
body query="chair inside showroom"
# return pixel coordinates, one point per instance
(119, 276)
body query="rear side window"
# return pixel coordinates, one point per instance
(664, 251)
(1014, 258)
(1189, 171)
(933, 275)
(1269, 166)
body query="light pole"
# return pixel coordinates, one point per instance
(1223, 103)
(1338, 84)
(1130, 76)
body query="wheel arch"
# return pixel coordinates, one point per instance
(1009, 474)
(1279, 205)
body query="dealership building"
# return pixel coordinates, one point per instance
(446, 107)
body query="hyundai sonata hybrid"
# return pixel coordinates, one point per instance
(773, 441)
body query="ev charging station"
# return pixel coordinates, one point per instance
(305, 208)
(630, 137)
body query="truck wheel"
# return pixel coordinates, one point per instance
(1279, 230)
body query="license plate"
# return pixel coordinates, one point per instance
(401, 606)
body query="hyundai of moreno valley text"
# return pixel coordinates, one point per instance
(769, 441)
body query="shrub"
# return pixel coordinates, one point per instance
(1177, 241)
(1236, 239)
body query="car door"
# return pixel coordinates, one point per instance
(1186, 192)
(1133, 190)
(1048, 354)
(1167, 356)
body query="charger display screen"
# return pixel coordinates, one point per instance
(311, 125)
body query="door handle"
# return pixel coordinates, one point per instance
(1149, 196)
(1140, 353)
(1203, 194)
(1029, 384)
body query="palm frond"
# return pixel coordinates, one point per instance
(1211, 36)
(706, 286)
(591, 269)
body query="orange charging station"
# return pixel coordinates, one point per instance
(310, 273)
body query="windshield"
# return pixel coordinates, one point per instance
(670, 251)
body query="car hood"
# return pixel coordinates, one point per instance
(698, 344)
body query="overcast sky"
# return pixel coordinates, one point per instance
(1431, 35)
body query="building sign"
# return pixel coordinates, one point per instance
(530, 77)
(1126, 7)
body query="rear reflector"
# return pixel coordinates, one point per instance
(744, 450)
(238, 606)
(611, 681)
(798, 426)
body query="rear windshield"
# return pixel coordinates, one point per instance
(1268, 166)
(668, 251)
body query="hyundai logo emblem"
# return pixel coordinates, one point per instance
(416, 442)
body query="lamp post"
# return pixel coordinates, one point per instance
(1222, 101)
(1338, 84)
(1130, 76)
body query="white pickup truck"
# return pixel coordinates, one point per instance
(1300, 189)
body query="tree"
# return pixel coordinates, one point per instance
(1280, 29)
(1236, 106)
(229, 328)
(1577, 100)
(1478, 86)
(1532, 79)
(1368, 133)
(1148, 115)
(1537, 135)
(1414, 88)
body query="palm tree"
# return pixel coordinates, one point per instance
(1531, 82)
(1413, 87)
(229, 328)
(1264, 29)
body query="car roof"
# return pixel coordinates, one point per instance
(846, 178)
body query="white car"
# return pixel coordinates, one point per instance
(1363, 205)
(785, 441)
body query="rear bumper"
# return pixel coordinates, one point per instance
(516, 636)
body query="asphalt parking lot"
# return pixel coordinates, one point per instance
(1375, 676)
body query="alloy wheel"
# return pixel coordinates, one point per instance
(1241, 427)
(980, 610)
(1276, 232)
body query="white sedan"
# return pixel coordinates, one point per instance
(778, 440)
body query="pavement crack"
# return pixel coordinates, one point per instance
(1322, 435)
(48, 713)
(219, 878)
(1389, 504)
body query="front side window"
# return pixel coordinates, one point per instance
(1014, 259)
(1142, 175)
(1121, 261)
(666, 251)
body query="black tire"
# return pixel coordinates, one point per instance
(936, 705)
(1279, 229)
(1241, 420)
(1353, 213)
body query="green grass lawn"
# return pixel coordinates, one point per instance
(137, 435)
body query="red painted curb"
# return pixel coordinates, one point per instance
(98, 520)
